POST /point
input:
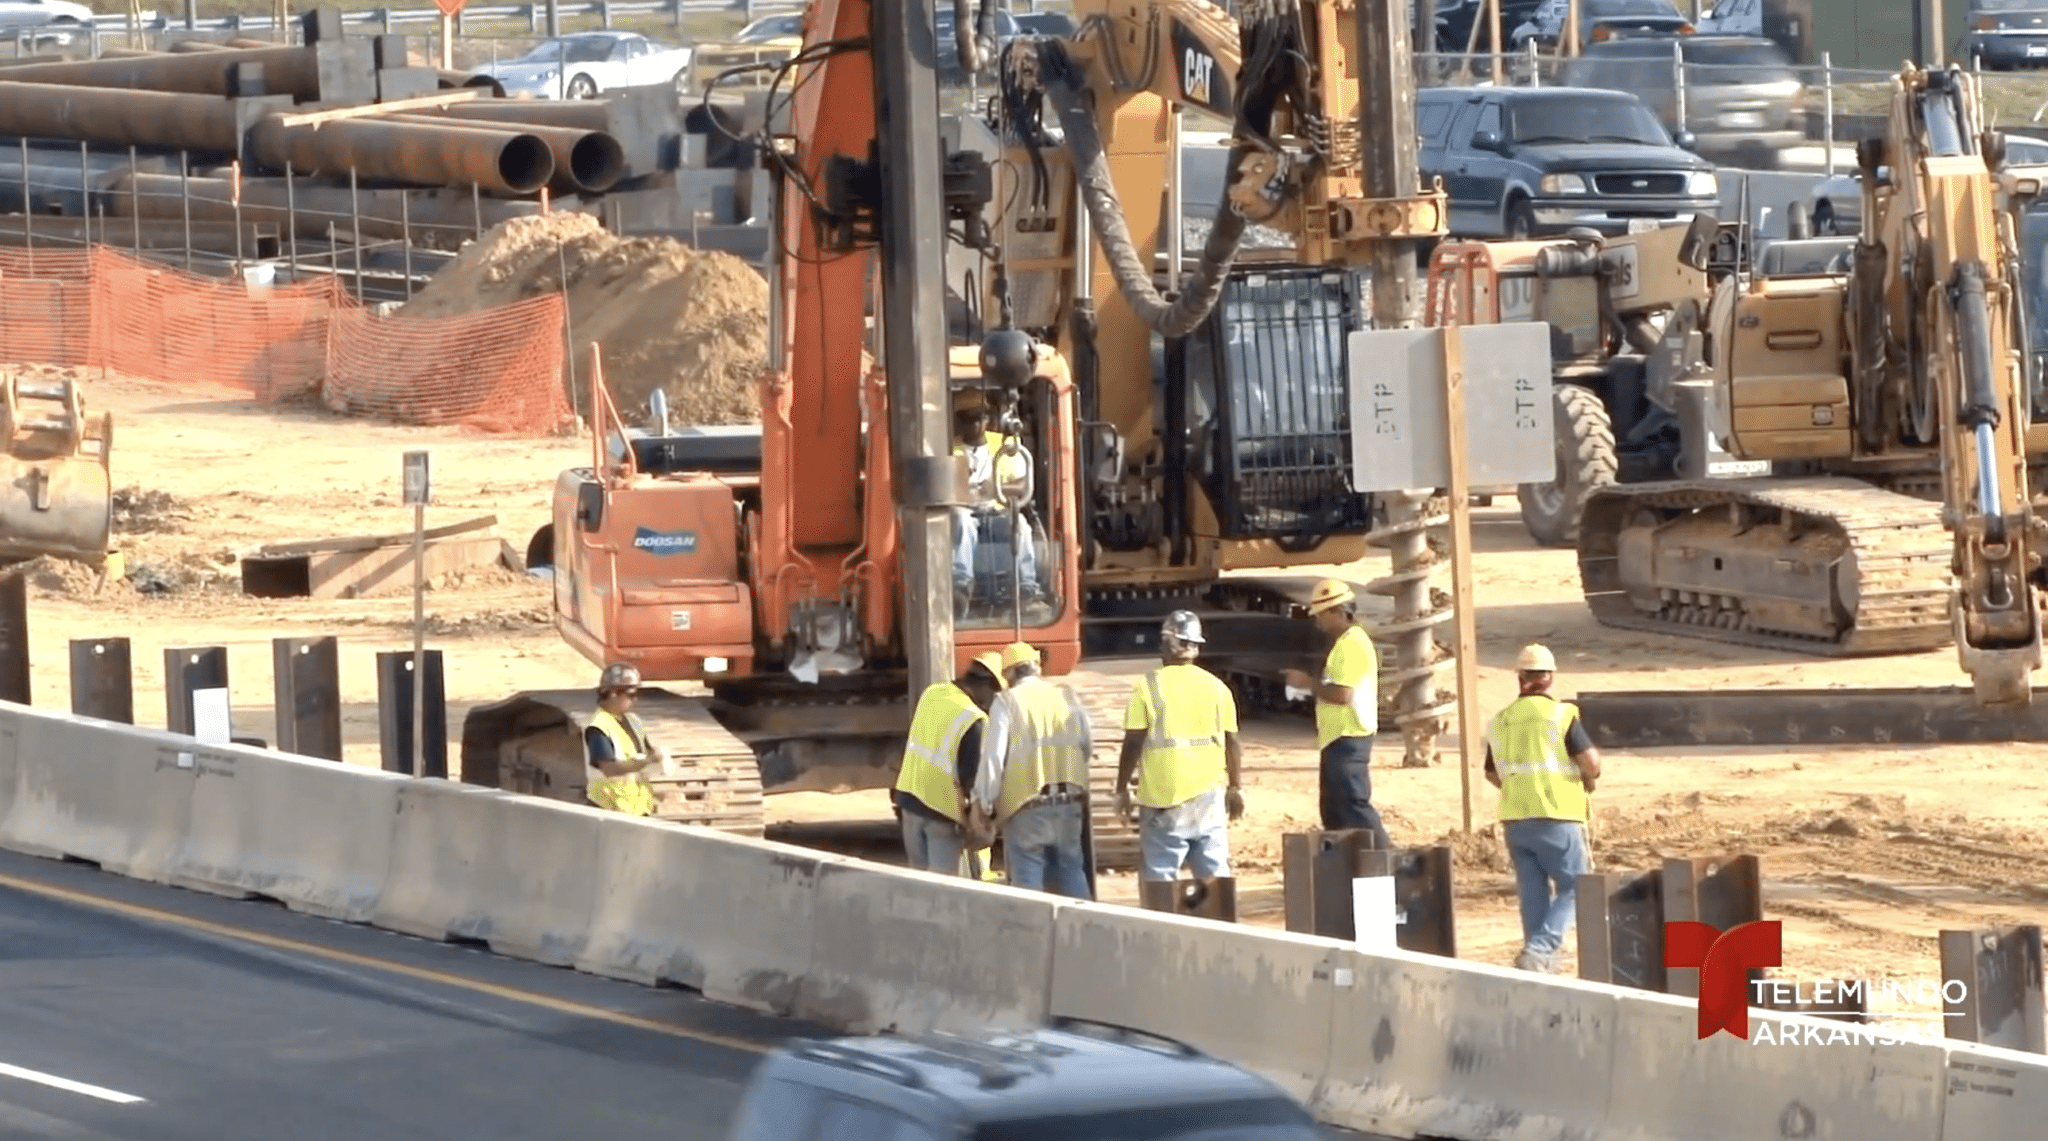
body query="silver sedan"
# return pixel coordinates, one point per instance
(1838, 201)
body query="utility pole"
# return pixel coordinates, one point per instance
(914, 326)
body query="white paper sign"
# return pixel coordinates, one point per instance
(1372, 913)
(211, 721)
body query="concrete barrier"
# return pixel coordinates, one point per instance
(112, 794)
(729, 917)
(514, 872)
(311, 834)
(1261, 999)
(1994, 1095)
(1427, 1046)
(910, 952)
(1671, 1085)
(10, 754)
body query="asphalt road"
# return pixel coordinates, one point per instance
(132, 1011)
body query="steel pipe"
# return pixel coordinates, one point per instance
(293, 71)
(581, 115)
(117, 118)
(586, 161)
(455, 80)
(506, 161)
(307, 208)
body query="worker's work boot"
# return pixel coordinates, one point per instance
(1531, 961)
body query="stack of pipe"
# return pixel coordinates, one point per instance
(176, 100)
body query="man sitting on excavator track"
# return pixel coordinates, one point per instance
(988, 456)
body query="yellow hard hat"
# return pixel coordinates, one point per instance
(1019, 654)
(992, 661)
(1330, 593)
(1536, 659)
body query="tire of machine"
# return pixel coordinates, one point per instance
(1585, 463)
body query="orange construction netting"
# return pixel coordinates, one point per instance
(496, 371)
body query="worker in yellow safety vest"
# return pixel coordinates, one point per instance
(939, 761)
(1539, 755)
(1180, 738)
(1033, 782)
(1347, 711)
(617, 747)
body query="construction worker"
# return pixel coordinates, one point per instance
(1033, 782)
(990, 455)
(1539, 756)
(939, 761)
(1180, 737)
(1347, 711)
(617, 747)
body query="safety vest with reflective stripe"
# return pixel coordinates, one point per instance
(628, 794)
(1538, 779)
(1188, 717)
(1047, 743)
(944, 715)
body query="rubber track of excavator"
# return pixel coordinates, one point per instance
(1901, 550)
(716, 781)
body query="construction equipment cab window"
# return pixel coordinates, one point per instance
(1004, 558)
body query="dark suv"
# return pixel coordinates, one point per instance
(1743, 100)
(1522, 162)
(1078, 1081)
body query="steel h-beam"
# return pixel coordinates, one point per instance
(308, 695)
(914, 325)
(103, 679)
(14, 671)
(394, 714)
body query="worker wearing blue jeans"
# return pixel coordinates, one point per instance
(1540, 757)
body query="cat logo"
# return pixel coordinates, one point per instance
(1197, 67)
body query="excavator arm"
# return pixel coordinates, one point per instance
(1955, 312)
(1284, 77)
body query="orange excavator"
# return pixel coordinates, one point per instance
(800, 573)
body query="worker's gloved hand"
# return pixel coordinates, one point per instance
(1125, 808)
(1233, 803)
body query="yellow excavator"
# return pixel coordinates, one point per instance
(1213, 384)
(1873, 374)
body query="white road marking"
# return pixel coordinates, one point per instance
(66, 1084)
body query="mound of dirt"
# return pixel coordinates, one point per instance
(142, 511)
(691, 322)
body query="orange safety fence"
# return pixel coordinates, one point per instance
(499, 370)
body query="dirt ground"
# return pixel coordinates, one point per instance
(1866, 853)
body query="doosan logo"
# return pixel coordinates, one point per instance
(664, 542)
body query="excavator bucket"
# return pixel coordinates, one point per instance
(56, 487)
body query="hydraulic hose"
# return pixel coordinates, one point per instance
(1181, 316)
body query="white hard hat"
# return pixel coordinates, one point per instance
(1536, 658)
(1183, 625)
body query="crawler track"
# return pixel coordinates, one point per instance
(1829, 566)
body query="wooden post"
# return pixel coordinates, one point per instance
(1470, 729)
(1499, 68)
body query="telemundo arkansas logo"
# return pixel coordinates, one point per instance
(664, 542)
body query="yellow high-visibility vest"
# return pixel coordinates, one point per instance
(1355, 662)
(1538, 780)
(1002, 469)
(628, 794)
(1047, 745)
(944, 715)
(1185, 711)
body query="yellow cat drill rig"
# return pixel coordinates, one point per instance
(1895, 374)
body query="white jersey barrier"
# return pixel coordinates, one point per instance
(1403, 1044)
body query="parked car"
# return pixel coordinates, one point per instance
(1599, 20)
(589, 64)
(1787, 23)
(1743, 100)
(2005, 34)
(1045, 24)
(41, 22)
(1838, 200)
(770, 39)
(1077, 1081)
(1456, 19)
(1522, 162)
